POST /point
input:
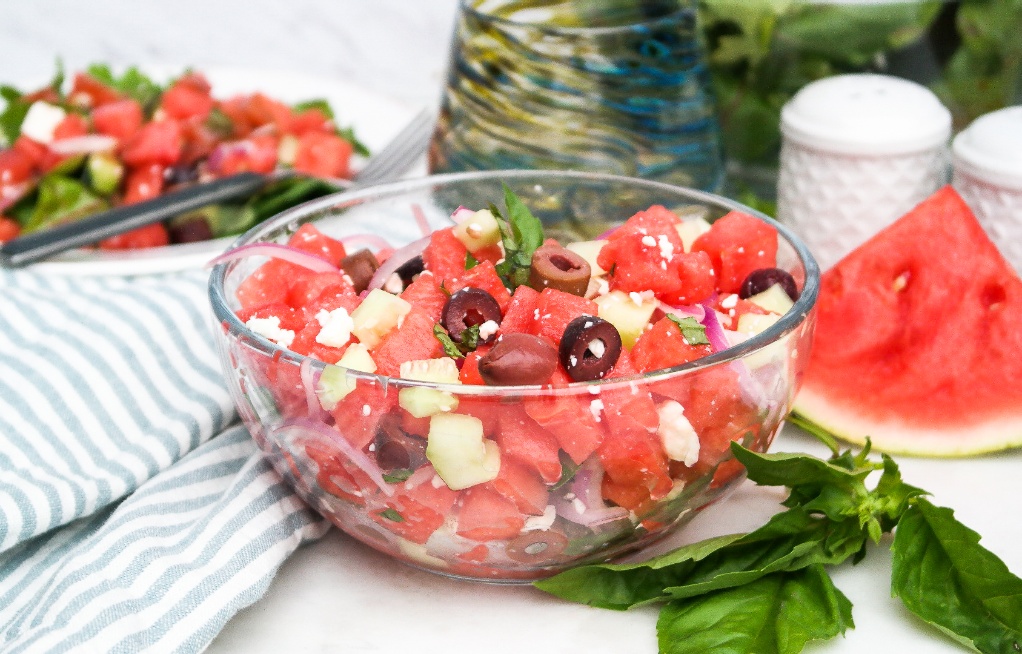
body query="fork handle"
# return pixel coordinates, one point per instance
(32, 247)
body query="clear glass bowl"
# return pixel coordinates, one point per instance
(544, 512)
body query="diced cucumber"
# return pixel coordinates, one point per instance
(773, 299)
(458, 451)
(378, 313)
(442, 370)
(105, 172)
(754, 323)
(589, 250)
(628, 315)
(420, 402)
(334, 382)
(479, 231)
(691, 229)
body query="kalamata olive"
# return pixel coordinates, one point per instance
(537, 547)
(559, 268)
(589, 348)
(360, 266)
(190, 230)
(760, 280)
(469, 307)
(518, 360)
(395, 449)
(409, 269)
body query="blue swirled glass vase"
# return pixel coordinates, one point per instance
(616, 86)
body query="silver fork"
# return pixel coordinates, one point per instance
(387, 164)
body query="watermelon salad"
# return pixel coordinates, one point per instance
(119, 139)
(488, 408)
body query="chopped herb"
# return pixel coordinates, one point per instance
(348, 134)
(220, 123)
(568, 470)
(13, 114)
(521, 233)
(692, 330)
(392, 515)
(451, 348)
(470, 261)
(397, 476)
(470, 338)
(319, 104)
(133, 83)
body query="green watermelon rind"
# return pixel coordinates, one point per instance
(851, 424)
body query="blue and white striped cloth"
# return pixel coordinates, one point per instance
(133, 515)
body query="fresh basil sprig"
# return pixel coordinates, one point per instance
(768, 591)
(521, 233)
(692, 330)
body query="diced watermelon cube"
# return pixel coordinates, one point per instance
(738, 244)
(415, 513)
(425, 294)
(663, 346)
(522, 439)
(520, 316)
(309, 239)
(305, 343)
(556, 309)
(445, 256)
(569, 418)
(268, 284)
(487, 515)
(333, 477)
(484, 276)
(520, 484)
(412, 341)
(358, 414)
(469, 373)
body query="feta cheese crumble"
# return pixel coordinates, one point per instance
(269, 328)
(681, 443)
(335, 327)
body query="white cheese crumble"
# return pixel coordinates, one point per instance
(666, 247)
(680, 441)
(730, 302)
(394, 284)
(541, 522)
(488, 329)
(649, 241)
(597, 347)
(335, 327)
(366, 409)
(41, 121)
(595, 408)
(269, 328)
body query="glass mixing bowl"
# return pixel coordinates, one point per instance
(364, 463)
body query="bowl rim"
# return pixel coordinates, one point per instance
(669, 17)
(228, 321)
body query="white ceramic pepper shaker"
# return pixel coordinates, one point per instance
(987, 160)
(858, 151)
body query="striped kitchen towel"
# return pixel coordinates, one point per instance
(133, 515)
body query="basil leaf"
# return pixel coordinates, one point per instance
(133, 83)
(943, 575)
(470, 261)
(13, 114)
(348, 134)
(392, 515)
(692, 330)
(398, 475)
(790, 541)
(61, 199)
(777, 614)
(319, 104)
(521, 233)
(451, 348)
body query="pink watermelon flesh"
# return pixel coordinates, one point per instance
(919, 339)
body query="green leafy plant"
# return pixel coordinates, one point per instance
(521, 233)
(768, 591)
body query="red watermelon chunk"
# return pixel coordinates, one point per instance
(520, 315)
(484, 276)
(522, 439)
(309, 239)
(445, 255)
(569, 418)
(413, 341)
(738, 244)
(918, 338)
(485, 515)
(425, 294)
(555, 309)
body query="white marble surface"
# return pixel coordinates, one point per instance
(337, 595)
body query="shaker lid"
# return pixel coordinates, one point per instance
(866, 114)
(991, 148)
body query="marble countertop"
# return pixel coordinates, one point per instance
(336, 594)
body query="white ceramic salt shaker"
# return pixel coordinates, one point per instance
(987, 161)
(858, 151)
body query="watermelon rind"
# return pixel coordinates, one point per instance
(896, 437)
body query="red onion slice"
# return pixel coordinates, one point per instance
(752, 389)
(305, 427)
(714, 331)
(276, 251)
(696, 311)
(309, 382)
(400, 257)
(86, 144)
(582, 503)
(461, 214)
(421, 220)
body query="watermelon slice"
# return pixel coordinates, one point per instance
(919, 339)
